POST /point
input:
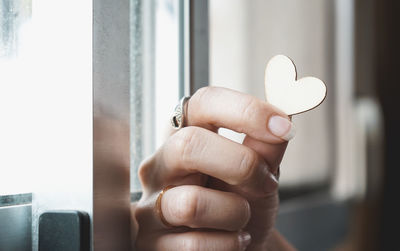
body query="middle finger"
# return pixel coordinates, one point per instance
(197, 150)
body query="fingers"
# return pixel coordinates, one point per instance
(197, 150)
(199, 207)
(222, 241)
(272, 154)
(212, 108)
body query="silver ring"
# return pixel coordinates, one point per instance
(178, 118)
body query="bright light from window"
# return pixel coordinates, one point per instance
(45, 93)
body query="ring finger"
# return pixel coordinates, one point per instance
(200, 207)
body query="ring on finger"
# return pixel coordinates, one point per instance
(178, 118)
(158, 206)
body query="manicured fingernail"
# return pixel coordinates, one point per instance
(281, 127)
(244, 240)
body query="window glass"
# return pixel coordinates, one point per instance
(15, 20)
(154, 76)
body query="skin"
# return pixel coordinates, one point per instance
(223, 189)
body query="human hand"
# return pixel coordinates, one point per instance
(225, 195)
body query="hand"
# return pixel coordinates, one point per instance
(225, 195)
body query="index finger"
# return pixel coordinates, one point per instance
(215, 107)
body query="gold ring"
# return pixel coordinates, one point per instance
(158, 206)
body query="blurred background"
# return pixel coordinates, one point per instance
(126, 64)
(337, 175)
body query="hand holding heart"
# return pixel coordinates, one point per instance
(224, 195)
(288, 94)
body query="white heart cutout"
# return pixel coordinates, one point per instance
(288, 94)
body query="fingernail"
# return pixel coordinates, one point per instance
(281, 127)
(244, 240)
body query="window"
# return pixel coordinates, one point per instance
(46, 114)
(155, 75)
(169, 55)
(15, 22)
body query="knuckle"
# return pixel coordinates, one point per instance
(202, 92)
(145, 170)
(202, 96)
(247, 166)
(250, 108)
(187, 207)
(185, 143)
(140, 213)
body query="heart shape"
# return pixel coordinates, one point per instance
(288, 94)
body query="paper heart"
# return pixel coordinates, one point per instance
(288, 94)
